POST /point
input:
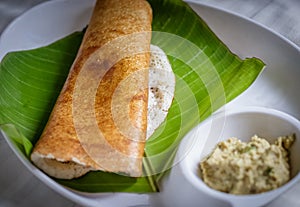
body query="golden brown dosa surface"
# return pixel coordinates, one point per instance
(60, 148)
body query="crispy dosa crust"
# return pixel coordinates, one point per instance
(119, 152)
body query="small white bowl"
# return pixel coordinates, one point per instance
(243, 123)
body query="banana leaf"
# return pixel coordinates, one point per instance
(208, 75)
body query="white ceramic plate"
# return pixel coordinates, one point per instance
(277, 87)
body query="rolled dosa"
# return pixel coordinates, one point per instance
(69, 146)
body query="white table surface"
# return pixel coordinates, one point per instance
(282, 16)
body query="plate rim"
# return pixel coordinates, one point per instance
(237, 15)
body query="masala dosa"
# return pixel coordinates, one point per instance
(117, 83)
(59, 144)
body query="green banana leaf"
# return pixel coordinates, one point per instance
(208, 76)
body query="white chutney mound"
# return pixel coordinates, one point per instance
(161, 88)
